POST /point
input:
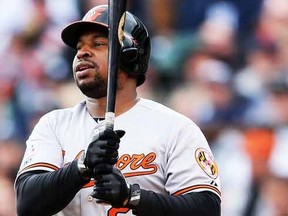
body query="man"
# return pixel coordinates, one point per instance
(162, 166)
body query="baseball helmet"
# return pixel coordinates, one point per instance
(135, 48)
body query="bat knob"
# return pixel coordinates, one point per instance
(90, 198)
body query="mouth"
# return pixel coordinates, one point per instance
(82, 69)
(83, 66)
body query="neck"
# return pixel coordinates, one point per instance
(97, 107)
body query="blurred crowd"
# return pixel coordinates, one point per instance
(224, 64)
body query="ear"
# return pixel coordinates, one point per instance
(130, 55)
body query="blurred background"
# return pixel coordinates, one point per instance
(224, 64)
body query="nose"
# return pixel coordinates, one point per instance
(84, 51)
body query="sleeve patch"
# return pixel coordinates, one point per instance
(207, 163)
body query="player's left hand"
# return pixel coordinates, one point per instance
(111, 188)
(104, 149)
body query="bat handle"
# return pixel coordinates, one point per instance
(109, 119)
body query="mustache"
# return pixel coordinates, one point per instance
(84, 60)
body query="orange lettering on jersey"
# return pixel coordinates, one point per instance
(146, 163)
(137, 161)
(123, 161)
(115, 211)
(89, 184)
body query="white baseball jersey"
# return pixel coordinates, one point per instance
(162, 151)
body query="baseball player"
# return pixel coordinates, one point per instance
(156, 162)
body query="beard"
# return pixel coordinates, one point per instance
(96, 88)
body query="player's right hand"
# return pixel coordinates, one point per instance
(104, 149)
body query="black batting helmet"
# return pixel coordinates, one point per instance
(136, 46)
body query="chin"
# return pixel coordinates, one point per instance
(95, 88)
(93, 92)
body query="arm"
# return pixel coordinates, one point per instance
(46, 193)
(202, 203)
(113, 189)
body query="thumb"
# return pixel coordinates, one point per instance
(120, 133)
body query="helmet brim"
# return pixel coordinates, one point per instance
(71, 33)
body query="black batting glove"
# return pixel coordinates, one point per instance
(104, 149)
(111, 188)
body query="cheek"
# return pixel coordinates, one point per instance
(103, 61)
(73, 65)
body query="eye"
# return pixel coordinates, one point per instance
(78, 46)
(99, 44)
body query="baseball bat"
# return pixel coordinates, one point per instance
(116, 21)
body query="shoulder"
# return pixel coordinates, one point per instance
(162, 112)
(58, 121)
(64, 114)
(160, 109)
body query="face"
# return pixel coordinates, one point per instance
(90, 64)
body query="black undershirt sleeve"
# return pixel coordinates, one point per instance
(47, 193)
(200, 203)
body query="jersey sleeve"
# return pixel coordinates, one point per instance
(191, 166)
(43, 150)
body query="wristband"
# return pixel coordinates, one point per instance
(135, 193)
(84, 171)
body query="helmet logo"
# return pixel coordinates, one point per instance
(94, 14)
(121, 29)
(134, 41)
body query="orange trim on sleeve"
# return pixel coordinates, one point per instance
(78, 155)
(195, 187)
(45, 165)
